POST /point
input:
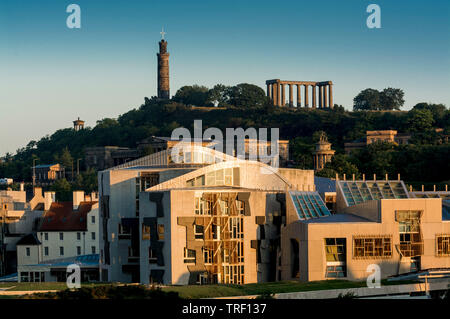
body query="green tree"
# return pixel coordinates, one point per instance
(247, 95)
(218, 95)
(420, 120)
(63, 190)
(340, 164)
(65, 159)
(368, 99)
(192, 95)
(87, 181)
(438, 110)
(391, 99)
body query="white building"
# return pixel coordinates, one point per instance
(68, 229)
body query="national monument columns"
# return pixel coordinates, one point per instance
(276, 91)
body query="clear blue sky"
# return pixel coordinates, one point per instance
(50, 74)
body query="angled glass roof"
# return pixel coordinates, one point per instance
(431, 194)
(356, 192)
(309, 205)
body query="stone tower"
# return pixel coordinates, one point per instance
(323, 152)
(163, 71)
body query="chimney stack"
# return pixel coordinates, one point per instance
(78, 197)
(49, 198)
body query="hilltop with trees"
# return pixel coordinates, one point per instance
(245, 105)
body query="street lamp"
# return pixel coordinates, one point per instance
(34, 173)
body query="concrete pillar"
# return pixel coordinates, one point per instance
(314, 99)
(320, 96)
(325, 96)
(299, 95)
(330, 95)
(275, 94)
(306, 96)
(283, 98)
(291, 96)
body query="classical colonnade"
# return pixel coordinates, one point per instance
(276, 90)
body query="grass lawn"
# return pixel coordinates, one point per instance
(27, 286)
(206, 291)
(211, 291)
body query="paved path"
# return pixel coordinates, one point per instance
(393, 290)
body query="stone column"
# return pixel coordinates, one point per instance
(299, 95)
(283, 98)
(275, 93)
(320, 96)
(314, 89)
(268, 89)
(306, 96)
(291, 96)
(330, 95)
(325, 96)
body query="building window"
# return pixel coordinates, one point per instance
(61, 251)
(93, 235)
(224, 208)
(160, 232)
(32, 276)
(78, 250)
(233, 274)
(78, 236)
(124, 232)
(240, 207)
(46, 251)
(93, 249)
(145, 232)
(93, 219)
(442, 245)
(198, 232)
(46, 236)
(189, 256)
(335, 251)
(235, 227)
(208, 256)
(202, 206)
(61, 236)
(28, 251)
(372, 247)
(152, 256)
(411, 243)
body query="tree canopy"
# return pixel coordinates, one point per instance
(374, 100)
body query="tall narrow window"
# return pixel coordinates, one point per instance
(189, 256)
(442, 245)
(335, 251)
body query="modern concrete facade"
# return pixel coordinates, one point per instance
(389, 229)
(217, 219)
(213, 219)
(276, 90)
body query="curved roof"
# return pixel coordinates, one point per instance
(192, 155)
(252, 175)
